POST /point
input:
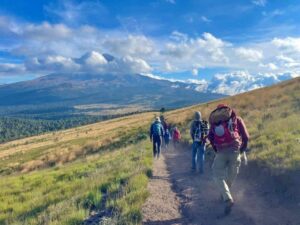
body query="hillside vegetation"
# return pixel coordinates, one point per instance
(60, 177)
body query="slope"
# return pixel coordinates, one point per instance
(62, 177)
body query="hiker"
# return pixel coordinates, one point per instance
(167, 138)
(229, 138)
(198, 131)
(166, 127)
(176, 136)
(164, 122)
(156, 134)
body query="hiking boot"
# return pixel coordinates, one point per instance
(228, 206)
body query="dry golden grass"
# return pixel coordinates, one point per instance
(65, 146)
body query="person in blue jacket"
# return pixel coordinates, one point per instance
(156, 135)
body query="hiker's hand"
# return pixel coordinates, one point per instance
(244, 158)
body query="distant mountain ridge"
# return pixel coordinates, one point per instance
(64, 94)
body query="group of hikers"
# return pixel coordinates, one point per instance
(161, 133)
(228, 136)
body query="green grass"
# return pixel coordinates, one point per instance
(64, 195)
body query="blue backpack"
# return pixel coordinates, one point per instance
(156, 129)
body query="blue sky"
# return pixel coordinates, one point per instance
(206, 41)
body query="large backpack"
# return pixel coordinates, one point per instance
(223, 122)
(156, 129)
(200, 131)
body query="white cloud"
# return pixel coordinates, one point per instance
(11, 69)
(130, 45)
(285, 58)
(169, 67)
(46, 32)
(92, 62)
(241, 81)
(205, 19)
(51, 64)
(259, 2)
(72, 13)
(195, 72)
(289, 43)
(184, 52)
(178, 36)
(251, 55)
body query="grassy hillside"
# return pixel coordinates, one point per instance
(58, 178)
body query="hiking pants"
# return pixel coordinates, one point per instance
(198, 157)
(156, 145)
(167, 140)
(225, 169)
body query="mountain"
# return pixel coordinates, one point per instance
(96, 94)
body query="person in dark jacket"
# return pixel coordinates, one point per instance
(165, 139)
(229, 137)
(198, 132)
(156, 135)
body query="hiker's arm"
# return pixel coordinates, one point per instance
(210, 137)
(151, 132)
(244, 134)
(192, 130)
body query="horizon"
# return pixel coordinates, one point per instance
(229, 47)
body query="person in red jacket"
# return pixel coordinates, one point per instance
(176, 136)
(229, 137)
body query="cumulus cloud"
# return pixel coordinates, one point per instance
(185, 52)
(251, 55)
(288, 44)
(241, 81)
(51, 64)
(92, 62)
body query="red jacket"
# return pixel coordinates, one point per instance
(176, 135)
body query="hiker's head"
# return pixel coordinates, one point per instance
(197, 115)
(157, 119)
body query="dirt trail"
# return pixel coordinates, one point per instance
(175, 190)
(163, 205)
